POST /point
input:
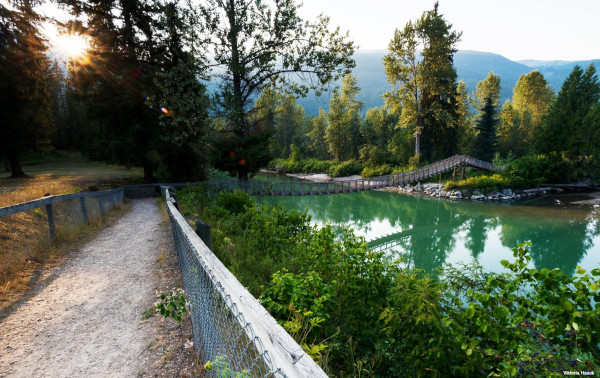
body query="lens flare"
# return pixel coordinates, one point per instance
(73, 46)
(164, 110)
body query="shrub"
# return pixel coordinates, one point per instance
(347, 168)
(357, 313)
(484, 183)
(380, 170)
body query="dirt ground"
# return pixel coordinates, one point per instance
(96, 318)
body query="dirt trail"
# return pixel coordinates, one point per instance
(88, 321)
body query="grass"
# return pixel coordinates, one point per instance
(69, 174)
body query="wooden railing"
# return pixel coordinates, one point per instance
(303, 188)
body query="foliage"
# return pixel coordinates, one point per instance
(343, 120)
(525, 172)
(347, 168)
(357, 313)
(250, 44)
(24, 90)
(316, 136)
(223, 369)
(485, 142)
(374, 171)
(425, 89)
(172, 305)
(528, 321)
(532, 98)
(483, 183)
(301, 166)
(568, 130)
(489, 87)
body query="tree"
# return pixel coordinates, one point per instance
(532, 94)
(378, 131)
(318, 143)
(289, 124)
(344, 120)
(485, 143)
(403, 72)
(466, 128)
(569, 129)
(251, 43)
(425, 90)
(489, 87)
(113, 85)
(183, 121)
(24, 69)
(509, 132)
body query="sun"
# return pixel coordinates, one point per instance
(73, 46)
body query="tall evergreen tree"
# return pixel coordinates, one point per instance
(24, 95)
(569, 127)
(485, 143)
(425, 90)
(114, 84)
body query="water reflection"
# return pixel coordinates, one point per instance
(429, 232)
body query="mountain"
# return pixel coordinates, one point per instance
(471, 66)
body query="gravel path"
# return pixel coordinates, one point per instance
(88, 320)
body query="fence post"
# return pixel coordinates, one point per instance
(204, 231)
(84, 210)
(50, 215)
(100, 206)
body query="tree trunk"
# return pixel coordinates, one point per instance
(418, 144)
(243, 182)
(15, 166)
(6, 165)
(148, 175)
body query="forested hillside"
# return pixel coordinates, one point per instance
(471, 66)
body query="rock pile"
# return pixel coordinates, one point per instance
(438, 191)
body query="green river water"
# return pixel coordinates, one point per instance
(430, 232)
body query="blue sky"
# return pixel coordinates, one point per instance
(517, 29)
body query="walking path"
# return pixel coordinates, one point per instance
(88, 320)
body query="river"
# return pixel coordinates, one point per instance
(428, 232)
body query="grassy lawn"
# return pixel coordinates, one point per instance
(68, 173)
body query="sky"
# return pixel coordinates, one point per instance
(516, 29)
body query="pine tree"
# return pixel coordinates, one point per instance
(569, 129)
(24, 94)
(425, 90)
(485, 142)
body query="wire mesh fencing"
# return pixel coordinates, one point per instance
(27, 229)
(231, 329)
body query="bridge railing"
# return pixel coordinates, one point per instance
(27, 229)
(230, 327)
(302, 188)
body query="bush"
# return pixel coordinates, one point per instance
(300, 166)
(347, 168)
(484, 183)
(358, 314)
(380, 170)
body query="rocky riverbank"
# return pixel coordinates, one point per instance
(438, 191)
